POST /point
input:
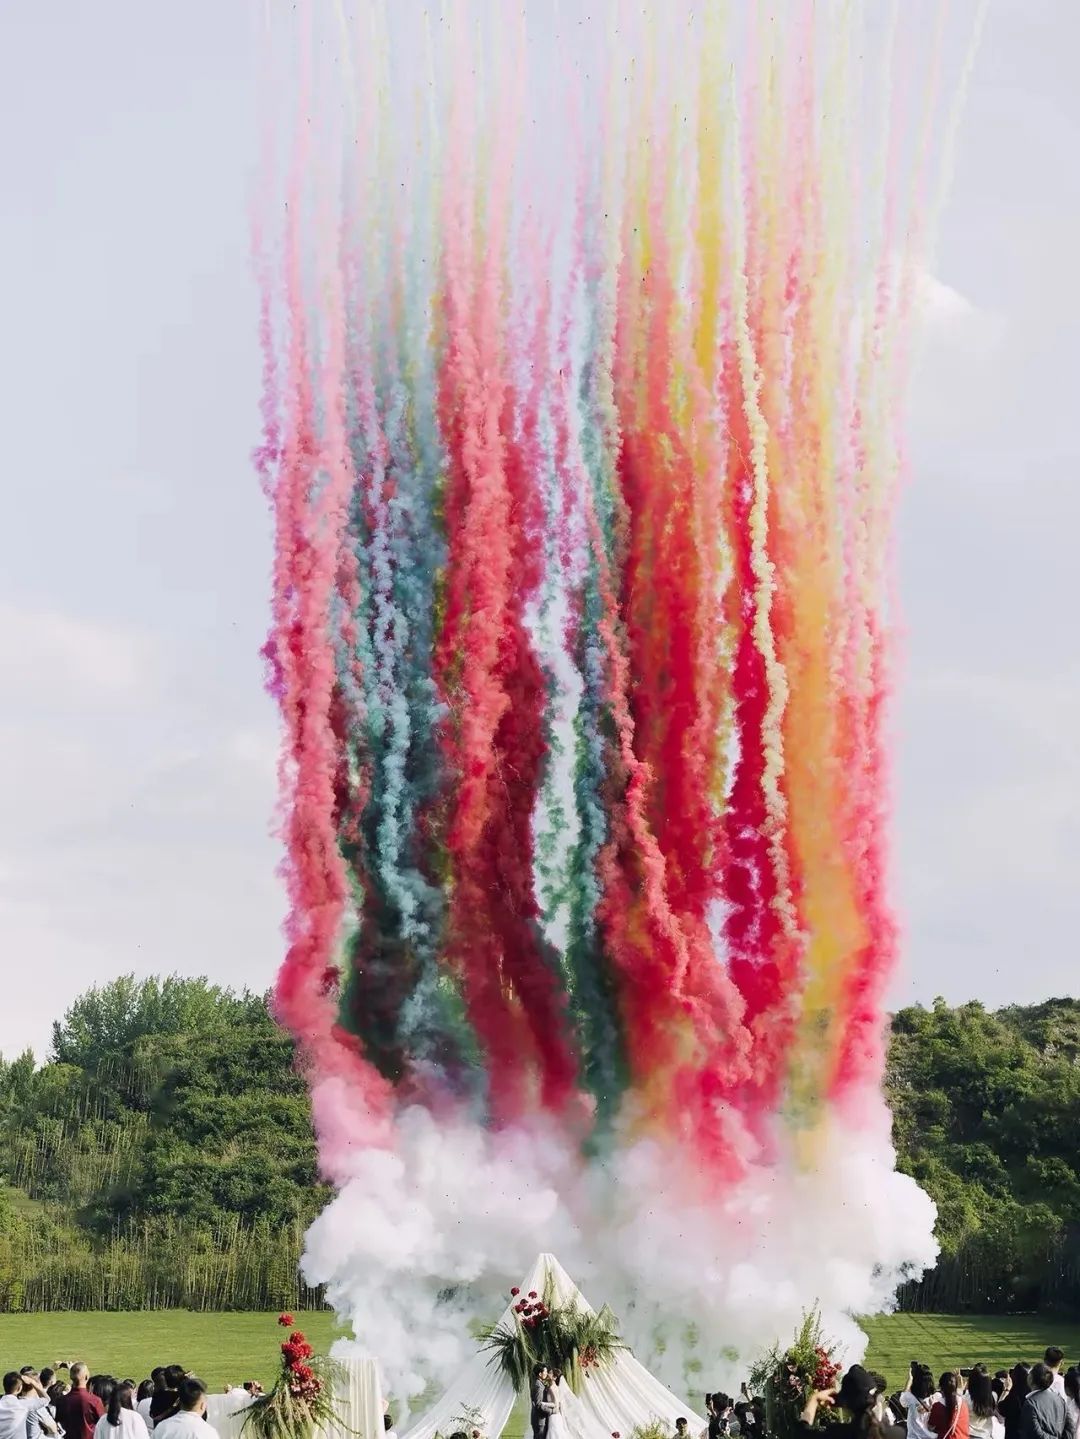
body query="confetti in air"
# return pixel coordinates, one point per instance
(586, 333)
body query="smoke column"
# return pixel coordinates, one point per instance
(585, 339)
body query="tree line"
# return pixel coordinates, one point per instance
(986, 1116)
(163, 1156)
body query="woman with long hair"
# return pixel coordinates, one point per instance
(1072, 1400)
(165, 1401)
(121, 1420)
(143, 1398)
(984, 1420)
(918, 1399)
(949, 1416)
(1012, 1404)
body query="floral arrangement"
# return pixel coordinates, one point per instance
(302, 1398)
(788, 1378)
(469, 1424)
(564, 1337)
(654, 1429)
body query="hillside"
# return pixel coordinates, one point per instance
(163, 1157)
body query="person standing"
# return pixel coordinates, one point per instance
(165, 1402)
(147, 1389)
(917, 1400)
(189, 1421)
(12, 1412)
(1011, 1405)
(39, 1418)
(1053, 1359)
(121, 1419)
(984, 1420)
(543, 1402)
(1044, 1416)
(949, 1418)
(79, 1411)
(1072, 1400)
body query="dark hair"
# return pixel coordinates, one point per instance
(981, 1393)
(57, 1392)
(922, 1381)
(174, 1375)
(387, 1422)
(12, 1381)
(157, 1378)
(1042, 1376)
(119, 1399)
(950, 1398)
(104, 1387)
(146, 1388)
(1020, 1374)
(46, 1376)
(679, 1421)
(1053, 1356)
(1072, 1384)
(721, 1401)
(190, 1392)
(538, 1369)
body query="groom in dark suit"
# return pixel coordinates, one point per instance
(543, 1402)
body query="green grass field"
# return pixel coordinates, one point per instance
(229, 1348)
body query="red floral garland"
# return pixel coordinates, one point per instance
(302, 1380)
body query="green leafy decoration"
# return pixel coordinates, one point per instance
(564, 1337)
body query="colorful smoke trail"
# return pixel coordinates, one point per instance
(582, 444)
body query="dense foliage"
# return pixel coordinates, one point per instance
(986, 1116)
(164, 1155)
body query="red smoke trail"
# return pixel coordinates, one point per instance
(663, 973)
(300, 653)
(760, 954)
(489, 673)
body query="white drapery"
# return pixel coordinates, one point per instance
(613, 1400)
(358, 1396)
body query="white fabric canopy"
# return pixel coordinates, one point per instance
(478, 1385)
(614, 1399)
(359, 1405)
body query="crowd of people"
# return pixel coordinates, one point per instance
(1029, 1401)
(71, 1403)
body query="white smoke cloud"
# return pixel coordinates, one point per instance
(422, 1242)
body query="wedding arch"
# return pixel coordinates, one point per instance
(618, 1397)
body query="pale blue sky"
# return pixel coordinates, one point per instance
(137, 754)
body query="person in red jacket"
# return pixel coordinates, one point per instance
(949, 1416)
(79, 1410)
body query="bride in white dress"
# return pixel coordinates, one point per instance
(557, 1425)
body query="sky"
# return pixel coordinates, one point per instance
(137, 748)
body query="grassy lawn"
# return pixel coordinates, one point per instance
(221, 1348)
(946, 1341)
(229, 1348)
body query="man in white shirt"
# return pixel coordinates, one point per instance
(12, 1411)
(190, 1422)
(17, 1410)
(1053, 1359)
